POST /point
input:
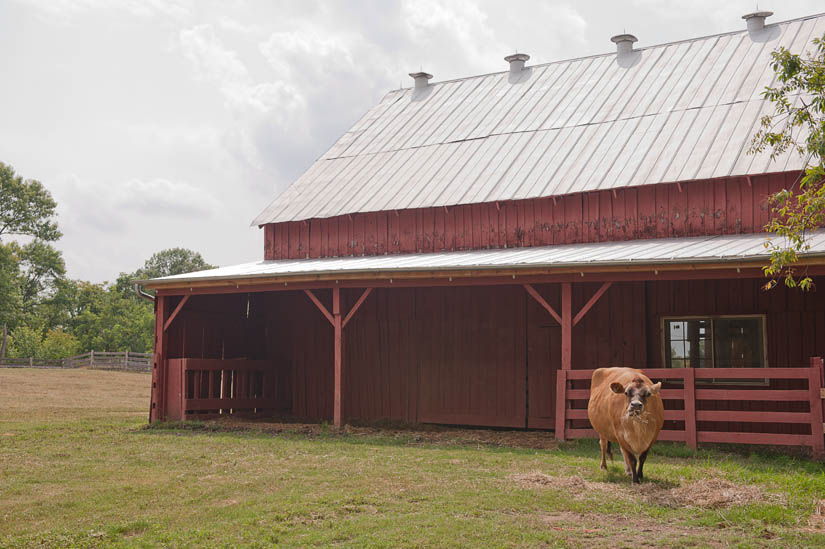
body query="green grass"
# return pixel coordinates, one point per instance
(88, 477)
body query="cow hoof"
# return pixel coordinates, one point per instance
(603, 467)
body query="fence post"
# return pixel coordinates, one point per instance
(31, 362)
(690, 407)
(91, 359)
(561, 404)
(815, 390)
(126, 361)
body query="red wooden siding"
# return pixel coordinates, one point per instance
(480, 355)
(699, 208)
(795, 322)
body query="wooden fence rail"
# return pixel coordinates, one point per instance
(741, 386)
(99, 360)
(202, 387)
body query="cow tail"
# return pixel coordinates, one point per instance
(609, 451)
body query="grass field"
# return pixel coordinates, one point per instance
(79, 467)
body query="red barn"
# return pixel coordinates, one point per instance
(471, 249)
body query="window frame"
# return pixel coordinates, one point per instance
(663, 343)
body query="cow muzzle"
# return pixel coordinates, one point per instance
(635, 409)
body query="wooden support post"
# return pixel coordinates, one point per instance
(337, 324)
(566, 326)
(157, 404)
(815, 390)
(561, 404)
(690, 407)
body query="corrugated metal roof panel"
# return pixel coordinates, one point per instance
(674, 112)
(702, 249)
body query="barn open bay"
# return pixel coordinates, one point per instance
(84, 470)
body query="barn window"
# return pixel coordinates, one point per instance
(717, 341)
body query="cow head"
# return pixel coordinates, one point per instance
(636, 393)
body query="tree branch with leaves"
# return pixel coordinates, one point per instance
(797, 125)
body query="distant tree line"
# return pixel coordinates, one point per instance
(45, 314)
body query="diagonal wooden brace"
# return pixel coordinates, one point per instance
(592, 301)
(541, 301)
(175, 312)
(356, 306)
(320, 306)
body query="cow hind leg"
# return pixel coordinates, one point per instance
(605, 447)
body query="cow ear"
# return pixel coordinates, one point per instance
(654, 390)
(617, 387)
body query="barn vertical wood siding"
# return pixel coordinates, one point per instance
(719, 206)
(480, 355)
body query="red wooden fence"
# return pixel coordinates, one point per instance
(202, 386)
(681, 404)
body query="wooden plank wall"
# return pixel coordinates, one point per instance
(701, 207)
(795, 322)
(473, 355)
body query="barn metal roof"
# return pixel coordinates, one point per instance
(673, 112)
(703, 249)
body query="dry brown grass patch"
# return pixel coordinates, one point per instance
(712, 493)
(817, 519)
(715, 493)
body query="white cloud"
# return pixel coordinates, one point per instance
(182, 119)
(68, 11)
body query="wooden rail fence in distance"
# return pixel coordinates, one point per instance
(98, 360)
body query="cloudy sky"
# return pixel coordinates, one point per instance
(160, 123)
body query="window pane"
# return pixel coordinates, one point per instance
(739, 342)
(678, 330)
(688, 344)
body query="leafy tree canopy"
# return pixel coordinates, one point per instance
(171, 262)
(26, 207)
(798, 125)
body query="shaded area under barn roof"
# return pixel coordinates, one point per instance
(673, 112)
(661, 251)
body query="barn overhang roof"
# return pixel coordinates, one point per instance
(664, 253)
(668, 113)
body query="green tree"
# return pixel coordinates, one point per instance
(26, 207)
(172, 261)
(25, 342)
(798, 124)
(41, 267)
(59, 344)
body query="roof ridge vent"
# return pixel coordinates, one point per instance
(517, 61)
(421, 79)
(624, 43)
(756, 20)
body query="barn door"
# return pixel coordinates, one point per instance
(543, 361)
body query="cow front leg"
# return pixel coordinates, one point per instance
(627, 455)
(633, 468)
(604, 444)
(642, 458)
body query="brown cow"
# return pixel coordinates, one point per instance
(625, 407)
